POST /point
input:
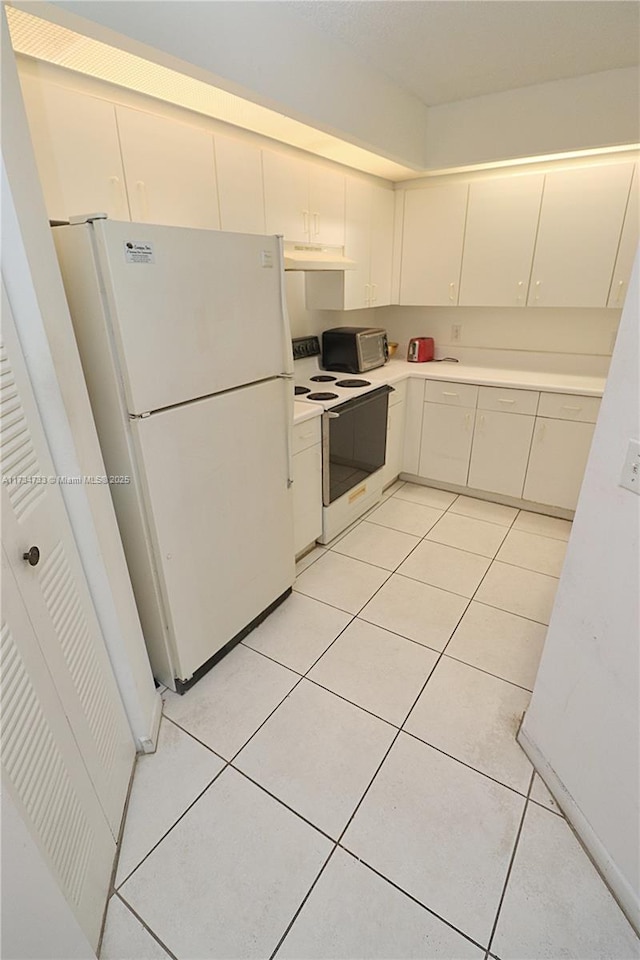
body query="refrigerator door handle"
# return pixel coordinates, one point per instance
(288, 400)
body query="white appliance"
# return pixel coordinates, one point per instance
(354, 436)
(186, 350)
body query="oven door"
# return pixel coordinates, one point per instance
(354, 442)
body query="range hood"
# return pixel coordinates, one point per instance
(309, 256)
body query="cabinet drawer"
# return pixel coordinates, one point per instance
(399, 393)
(455, 394)
(566, 406)
(307, 433)
(508, 401)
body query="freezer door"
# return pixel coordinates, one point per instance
(193, 312)
(220, 513)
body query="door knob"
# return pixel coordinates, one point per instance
(32, 557)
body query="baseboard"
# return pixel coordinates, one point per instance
(149, 743)
(561, 512)
(622, 892)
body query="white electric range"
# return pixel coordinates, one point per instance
(354, 435)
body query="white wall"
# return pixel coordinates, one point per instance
(264, 52)
(582, 729)
(563, 340)
(596, 110)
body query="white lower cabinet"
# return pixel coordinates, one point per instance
(501, 443)
(307, 483)
(502, 439)
(558, 459)
(447, 431)
(395, 434)
(445, 447)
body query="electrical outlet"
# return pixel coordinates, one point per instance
(630, 477)
(456, 332)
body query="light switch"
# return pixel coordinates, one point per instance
(630, 478)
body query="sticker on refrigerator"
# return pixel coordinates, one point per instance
(137, 252)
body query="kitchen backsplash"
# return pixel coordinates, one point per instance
(567, 340)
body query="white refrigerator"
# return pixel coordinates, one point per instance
(185, 345)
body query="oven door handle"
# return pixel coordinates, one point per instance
(332, 416)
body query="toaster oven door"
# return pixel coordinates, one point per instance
(354, 442)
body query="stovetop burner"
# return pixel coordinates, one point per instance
(300, 390)
(323, 378)
(353, 383)
(322, 396)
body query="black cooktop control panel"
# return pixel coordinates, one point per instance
(305, 347)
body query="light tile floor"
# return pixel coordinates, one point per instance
(346, 783)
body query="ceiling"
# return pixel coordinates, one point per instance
(447, 50)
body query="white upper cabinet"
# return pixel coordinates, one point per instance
(580, 225)
(382, 216)
(240, 190)
(326, 206)
(628, 245)
(368, 241)
(432, 239)
(286, 196)
(500, 235)
(303, 201)
(75, 140)
(169, 169)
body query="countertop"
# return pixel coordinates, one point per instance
(396, 370)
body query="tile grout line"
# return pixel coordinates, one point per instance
(146, 926)
(172, 827)
(510, 867)
(410, 896)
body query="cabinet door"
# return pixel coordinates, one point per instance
(75, 140)
(413, 425)
(628, 245)
(501, 444)
(432, 244)
(240, 190)
(445, 447)
(500, 234)
(307, 497)
(326, 206)
(357, 288)
(578, 236)
(286, 196)
(558, 459)
(395, 438)
(170, 170)
(382, 216)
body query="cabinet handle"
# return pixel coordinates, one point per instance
(305, 222)
(367, 294)
(316, 224)
(520, 296)
(573, 409)
(480, 422)
(373, 292)
(452, 291)
(501, 400)
(467, 421)
(116, 193)
(538, 285)
(447, 393)
(141, 190)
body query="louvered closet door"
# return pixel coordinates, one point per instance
(43, 769)
(55, 591)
